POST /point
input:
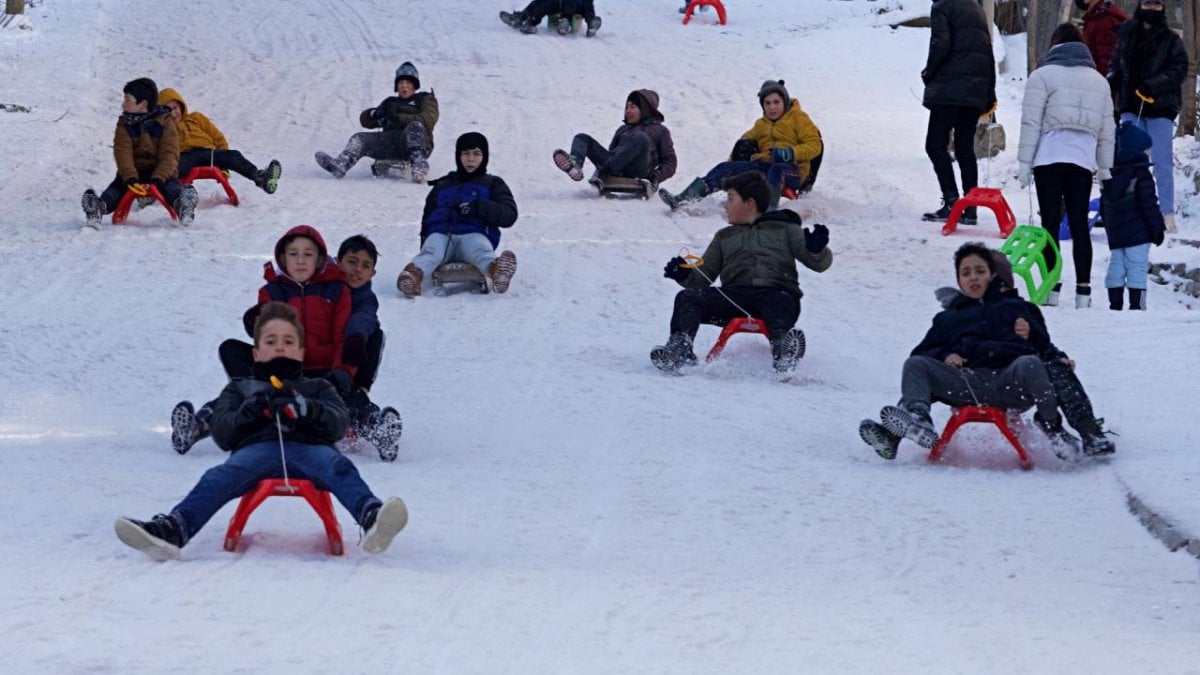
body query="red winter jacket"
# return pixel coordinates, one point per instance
(1100, 32)
(323, 303)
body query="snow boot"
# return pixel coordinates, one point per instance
(528, 28)
(787, 349)
(419, 166)
(568, 164)
(676, 353)
(1052, 296)
(409, 281)
(185, 206)
(1137, 298)
(942, 214)
(268, 179)
(185, 429)
(563, 25)
(593, 25)
(382, 524)
(913, 424)
(1116, 298)
(501, 271)
(694, 192)
(513, 19)
(1169, 221)
(1063, 444)
(93, 208)
(385, 434)
(1096, 444)
(882, 441)
(1083, 297)
(160, 538)
(333, 165)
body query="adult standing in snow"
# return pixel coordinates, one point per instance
(1147, 72)
(1067, 132)
(1100, 21)
(960, 86)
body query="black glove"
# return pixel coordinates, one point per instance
(257, 405)
(816, 239)
(1159, 237)
(130, 182)
(469, 209)
(160, 184)
(287, 405)
(743, 150)
(674, 269)
(377, 114)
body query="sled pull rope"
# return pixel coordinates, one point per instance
(275, 382)
(694, 262)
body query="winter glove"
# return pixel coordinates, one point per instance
(1025, 175)
(1159, 237)
(287, 405)
(160, 184)
(743, 150)
(674, 269)
(817, 239)
(468, 209)
(256, 406)
(782, 155)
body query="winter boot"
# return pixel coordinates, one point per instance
(911, 423)
(333, 165)
(1137, 298)
(268, 179)
(884, 442)
(501, 271)
(385, 434)
(1052, 296)
(1116, 298)
(188, 426)
(513, 19)
(942, 214)
(969, 216)
(593, 25)
(1083, 296)
(160, 538)
(409, 281)
(563, 25)
(676, 353)
(528, 28)
(185, 206)
(694, 192)
(382, 523)
(1096, 444)
(93, 208)
(1063, 444)
(565, 162)
(1169, 221)
(419, 165)
(787, 349)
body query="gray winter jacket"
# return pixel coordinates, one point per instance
(1066, 92)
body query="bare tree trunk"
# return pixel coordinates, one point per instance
(14, 6)
(1191, 30)
(1044, 17)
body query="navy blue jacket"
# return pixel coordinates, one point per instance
(981, 331)
(495, 206)
(1129, 206)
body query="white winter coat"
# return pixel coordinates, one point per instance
(1066, 92)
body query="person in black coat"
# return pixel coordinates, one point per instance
(960, 86)
(1147, 73)
(1132, 219)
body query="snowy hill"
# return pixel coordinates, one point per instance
(571, 509)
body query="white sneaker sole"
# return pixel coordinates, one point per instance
(132, 535)
(392, 518)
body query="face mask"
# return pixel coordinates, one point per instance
(1154, 17)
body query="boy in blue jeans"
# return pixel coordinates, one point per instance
(1132, 218)
(272, 431)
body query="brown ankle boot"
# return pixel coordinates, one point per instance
(409, 281)
(502, 270)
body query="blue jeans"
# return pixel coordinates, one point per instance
(1127, 267)
(473, 248)
(1162, 134)
(776, 174)
(327, 468)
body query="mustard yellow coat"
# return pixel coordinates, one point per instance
(195, 129)
(795, 130)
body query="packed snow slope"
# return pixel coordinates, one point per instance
(572, 509)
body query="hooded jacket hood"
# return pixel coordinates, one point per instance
(167, 95)
(647, 101)
(1071, 54)
(470, 141)
(300, 231)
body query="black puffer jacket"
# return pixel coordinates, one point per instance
(960, 70)
(234, 428)
(981, 331)
(1129, 206)
(1157, 64)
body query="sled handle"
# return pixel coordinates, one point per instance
(138, 189)
(692, 261)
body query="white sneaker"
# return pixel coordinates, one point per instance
(391, 518)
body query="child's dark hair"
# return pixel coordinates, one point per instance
(358, 242)
(974, 248)
(142, 89)
(277, 311)
(1066, 32)
(750, 185)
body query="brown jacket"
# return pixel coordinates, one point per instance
(151, 145)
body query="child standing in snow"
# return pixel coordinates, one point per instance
(1132, 218)
(463, 215)
(201, 143)
(755, 259)
(146, 149)
(405, 135)
(527, 20)
(640, 148)
(248, 419)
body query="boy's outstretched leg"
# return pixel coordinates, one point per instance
(268, 179)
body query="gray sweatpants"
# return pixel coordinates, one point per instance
(1022, 384)
(473, 248)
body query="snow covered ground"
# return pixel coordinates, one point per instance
(572, 509)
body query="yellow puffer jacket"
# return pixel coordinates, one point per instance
(793, 130)
(195, 129)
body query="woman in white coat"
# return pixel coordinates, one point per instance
(1067, 132)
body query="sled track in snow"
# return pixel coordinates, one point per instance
(1174, 537)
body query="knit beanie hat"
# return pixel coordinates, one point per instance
(471, 141)
(407, 71)
(142, 89)
(1132, 142)
(773, 87)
